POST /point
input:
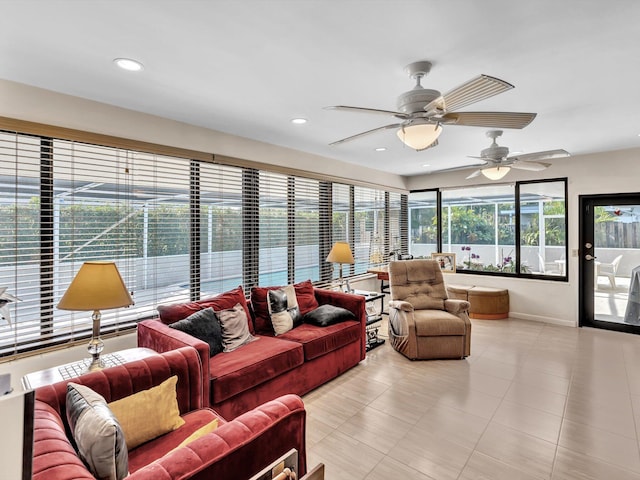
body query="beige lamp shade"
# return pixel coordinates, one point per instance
(419, 135)
(96, 286)
(340, 253)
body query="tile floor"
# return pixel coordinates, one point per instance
(533, 401)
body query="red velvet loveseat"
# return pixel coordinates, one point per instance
(295, 362)
(236, 449)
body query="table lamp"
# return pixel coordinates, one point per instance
(96, 286)
(341, 253)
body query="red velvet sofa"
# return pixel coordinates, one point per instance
(236, 449)
(295, 362)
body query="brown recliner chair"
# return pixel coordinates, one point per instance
(423, 322)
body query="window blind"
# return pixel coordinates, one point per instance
(369, 232)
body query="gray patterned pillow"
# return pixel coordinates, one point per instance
(235, 328)
(97, 433)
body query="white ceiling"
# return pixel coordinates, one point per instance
(246, 67)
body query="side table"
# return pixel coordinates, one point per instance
(75, 369)
(374, 317)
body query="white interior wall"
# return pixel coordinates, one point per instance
(540, 300)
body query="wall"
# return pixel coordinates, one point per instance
(601, 173)
(24, 102)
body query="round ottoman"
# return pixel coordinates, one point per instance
(489, 303)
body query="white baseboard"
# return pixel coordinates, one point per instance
(537, 318)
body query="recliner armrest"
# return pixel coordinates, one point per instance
(455, 306)
(401, 305)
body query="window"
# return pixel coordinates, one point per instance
(423, 223)
(478, 226)
(178, 227)
(498, 229)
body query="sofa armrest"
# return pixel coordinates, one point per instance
(239, 448)
(401, 305)
(455, 306)
(354, 303)
(157, 336)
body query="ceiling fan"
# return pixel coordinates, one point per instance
(498, 162)
(422, 112)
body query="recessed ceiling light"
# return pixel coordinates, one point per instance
(128, 64)
(381, 149)
(425, 165)
(298, 121)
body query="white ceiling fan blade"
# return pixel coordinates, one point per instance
(547, 154)
(475, 90)
(346, 108)
(489, 119)
(531, 166)
(474, 174)
(362, 134)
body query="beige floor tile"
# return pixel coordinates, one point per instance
(531, 421)
(375, 428)
(431, 454)
(402, 405)
(344, 457)
(570, 465)
(603, 445)
(316, 430)
(389, 468)
(483, 467)
(535, 397)
(471, 401)
(495, 368)
(456, 426)
(518, 450)
(612, 417)
(542, 381)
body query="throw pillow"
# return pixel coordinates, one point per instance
(149, 413)
(235, 331)
(283, 308)
(97, 433)
(326, 315)
(201, 432)
(173, 313)
(205, 326)
(305, 296)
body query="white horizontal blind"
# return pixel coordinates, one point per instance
(20, 258)
(306, 236)
(273, 228)
(221, 228)
(369, 232)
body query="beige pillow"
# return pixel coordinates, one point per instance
(148, 414)
(235, 328)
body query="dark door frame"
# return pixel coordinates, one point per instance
(586, 271)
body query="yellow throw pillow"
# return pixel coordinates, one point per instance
(148, 414)
(202, 431)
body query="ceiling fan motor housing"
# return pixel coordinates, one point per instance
(415, 100)
(495, 152)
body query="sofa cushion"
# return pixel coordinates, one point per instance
(151, 451)
(173, 313)
(327, 314)
(97, 433)
(203, 325)
(149, 413)
(253, 364)
(431, 323)
(283, 309)
(318, 341)
(235, 331)
(305, 296)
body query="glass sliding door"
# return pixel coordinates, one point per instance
(610, 262)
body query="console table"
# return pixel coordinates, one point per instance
(75, 369)
(383, 275)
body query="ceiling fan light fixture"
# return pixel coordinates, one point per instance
(419, 135)
(495, 173)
